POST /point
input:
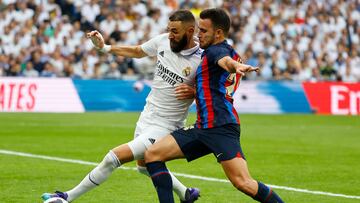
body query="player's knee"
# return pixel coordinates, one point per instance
(151, 155)
(244, 185)
(123, 153)
(111, 159)
(142, 170)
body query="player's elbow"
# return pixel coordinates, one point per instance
(229, 65)
(138, 52)
(232, 66)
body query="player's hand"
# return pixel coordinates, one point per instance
(96, 38)
(184, 91)
(243, 68)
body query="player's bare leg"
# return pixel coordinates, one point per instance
(167, 144)
(237, 172)
(123, 153)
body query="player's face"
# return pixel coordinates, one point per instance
(177, 36)
(206, 33)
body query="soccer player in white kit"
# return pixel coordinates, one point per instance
(167, 104)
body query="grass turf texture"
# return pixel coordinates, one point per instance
(319, 153)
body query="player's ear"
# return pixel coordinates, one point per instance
(191, 30)
(218, 33)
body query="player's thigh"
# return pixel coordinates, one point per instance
(147, 137)
(164, 150)
(237, 172)
(123, 153)
(190, 143)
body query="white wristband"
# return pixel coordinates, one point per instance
(106, 48)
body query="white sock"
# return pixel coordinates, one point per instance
(178, 187)
(142, 170)
(97, 176)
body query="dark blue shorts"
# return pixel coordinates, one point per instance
(222, 141)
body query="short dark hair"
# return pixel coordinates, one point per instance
(183, 16)
(219, 18)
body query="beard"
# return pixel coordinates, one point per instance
(178, 46)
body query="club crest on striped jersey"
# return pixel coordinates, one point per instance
(186, 71)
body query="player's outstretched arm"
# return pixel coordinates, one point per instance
(233, 66)
(184, 91)
(127, 51)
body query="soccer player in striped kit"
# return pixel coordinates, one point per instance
(217, 129)
(166, 109)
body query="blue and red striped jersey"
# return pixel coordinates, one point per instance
(215, 88)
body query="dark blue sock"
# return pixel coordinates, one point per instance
(162, 181)
(266, 195)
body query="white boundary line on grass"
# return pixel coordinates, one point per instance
(7, 152)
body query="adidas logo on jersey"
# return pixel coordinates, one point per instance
(152, 140)
(161, 53)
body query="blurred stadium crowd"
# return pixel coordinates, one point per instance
(313, 40)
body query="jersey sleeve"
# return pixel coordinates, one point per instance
(150, 47)
(217, 53)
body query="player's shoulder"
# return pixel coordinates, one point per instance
(162, 37)
(223, 47)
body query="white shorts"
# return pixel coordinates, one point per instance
(149, 129)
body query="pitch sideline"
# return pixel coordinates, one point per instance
(7, 152)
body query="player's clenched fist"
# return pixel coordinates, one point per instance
(96, 38)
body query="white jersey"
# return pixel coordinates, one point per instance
(172, 69)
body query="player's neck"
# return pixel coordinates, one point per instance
(190, 45)
(219, 40)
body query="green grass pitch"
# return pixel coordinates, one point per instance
(317, 153)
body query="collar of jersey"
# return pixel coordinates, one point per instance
(191, 51)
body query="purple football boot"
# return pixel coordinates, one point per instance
(192, 194)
